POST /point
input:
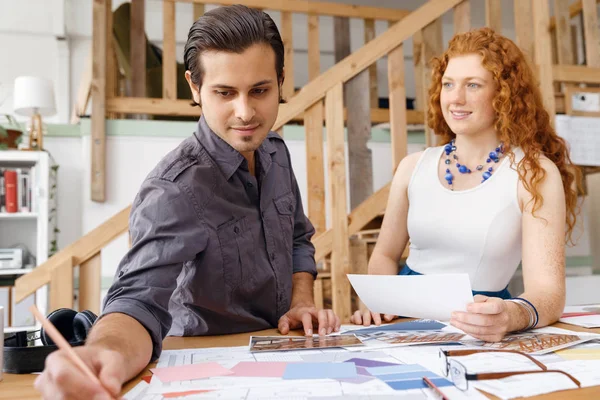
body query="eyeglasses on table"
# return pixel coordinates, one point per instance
(460, 377)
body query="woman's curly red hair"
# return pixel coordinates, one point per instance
(521, 119)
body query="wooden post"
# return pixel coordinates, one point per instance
(138, 49)
(373, 92)
(313, 126)
(169, 60)
(524, 27)
(288, 45)
(112, 67)
(462, 17)
(590, 30)
(98, 120)
(397, 96)
(359, 264)
(61, 285)
(90, 284)
(432, 46)
(562, 35)
(417, 41)
(340, 286)
(493, 15)
(543, 58)
(198, 11)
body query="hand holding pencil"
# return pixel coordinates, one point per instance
(81, 373)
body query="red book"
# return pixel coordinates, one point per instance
(10, 184)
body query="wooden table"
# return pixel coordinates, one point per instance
(21, 386)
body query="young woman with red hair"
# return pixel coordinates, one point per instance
(501, 190)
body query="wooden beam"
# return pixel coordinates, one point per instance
(565, 53)
(576, 74)
(574, 10)
(591, 34)
(420, 94)
(397, 96)
(168, 57)
(98, 126)
(198, 11)
(543, 57)
(340, 263)
(315, 7)
(313, 127)
(90, 284)
(79, 251)
(433, 46)
(137, 40)
(288, 45)
(524, 27)
(373, 92)
(112, 68)
(462, 17)
(363, 57)
(133, 105)
(314, 49)
(493, 15)
(61, 286)
(358, 218)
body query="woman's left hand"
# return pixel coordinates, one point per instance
(487, 318)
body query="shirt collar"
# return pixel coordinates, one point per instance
(226, 157)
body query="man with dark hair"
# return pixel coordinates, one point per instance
(220, 242)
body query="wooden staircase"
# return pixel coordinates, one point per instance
(345, 245)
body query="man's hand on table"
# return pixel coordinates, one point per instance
(62, 379)
(307, 316)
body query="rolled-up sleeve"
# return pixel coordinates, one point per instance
(166, 231)
(303, 256)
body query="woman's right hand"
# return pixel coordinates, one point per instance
(62, 379)
(365, 317)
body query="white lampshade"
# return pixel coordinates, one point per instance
(33, 94)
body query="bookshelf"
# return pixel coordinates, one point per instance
(28, 227)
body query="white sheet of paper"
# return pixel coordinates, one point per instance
(420, 296)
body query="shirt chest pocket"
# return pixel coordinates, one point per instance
(237, 243)
(286, 207)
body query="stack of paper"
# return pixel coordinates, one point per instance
(585, 316)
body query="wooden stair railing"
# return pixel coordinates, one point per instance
(58, 270)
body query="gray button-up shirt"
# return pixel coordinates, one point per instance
(213, 248)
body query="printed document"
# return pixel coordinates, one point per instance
(433, 296)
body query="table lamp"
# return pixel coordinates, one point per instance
(34, 97)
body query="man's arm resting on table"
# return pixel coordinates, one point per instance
(125, 335)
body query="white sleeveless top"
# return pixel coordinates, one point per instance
(475, 231)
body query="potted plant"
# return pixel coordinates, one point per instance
(11, 136)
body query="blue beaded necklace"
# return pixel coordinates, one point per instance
(450, 149)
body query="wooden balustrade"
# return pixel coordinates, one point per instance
(318, 101)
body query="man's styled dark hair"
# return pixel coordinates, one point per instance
(234, 29)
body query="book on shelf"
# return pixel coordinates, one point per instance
(17, 186)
